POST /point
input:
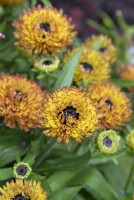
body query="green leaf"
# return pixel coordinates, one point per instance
(34, 151)
(11, 145)
(66, 194)
(42, 179)
(71, 163)
(123, 83)
(47, 3)
(6, 173)
(98, 44)
(125, 197)
(95, 184)
(58, 180)
(66, 76)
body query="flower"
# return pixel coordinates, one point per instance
(114, 105)
(48, 63)
(69, 114)
(20, 101)
(43, 30)
(2, 36)
(130, 140)
(108, 142)
(126, 72)
(108, 51)
(23, 190)
(10, 2)
(22, 170)
(92, 66)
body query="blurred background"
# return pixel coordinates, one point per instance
(82, 10)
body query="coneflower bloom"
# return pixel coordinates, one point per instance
(23, 190)
(43, 30)
(20, 101)
(69, 114)
(107, 50)
(113, 104)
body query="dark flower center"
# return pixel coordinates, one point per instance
(20, 197)
(109, 104)
(87, 66)
(22, 170)
(45, 26)
(107, 142)
(102, 49)
(18, 95)
(70, 111)
(47, 62)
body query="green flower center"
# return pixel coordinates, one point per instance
(87, 67)
(45, 26)
(47, 62)
(70, 111)
(22, 170)
(109, 104)
(102, 49)
(20, 197)
(107, 142)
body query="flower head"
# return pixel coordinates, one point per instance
(69, 114)
(126, 72)
(23, 190)
(130, 140)
(107, 50)
(10, 2)
(43, 30)
(22, 170)
(47, 63)
(114, 105)
(92, 66)
(108, 142)
(20, 101)
(2, 36)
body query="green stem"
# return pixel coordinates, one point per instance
(130, 176)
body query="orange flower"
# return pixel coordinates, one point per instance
(20, 101)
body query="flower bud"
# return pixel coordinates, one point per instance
(22, 170)
(130, 140)
(47, 63)
(108, 142)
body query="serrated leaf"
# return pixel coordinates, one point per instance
(66, 76)
(6, 173)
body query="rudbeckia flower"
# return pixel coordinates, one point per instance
(23, 190)
(114, 105)
(10, 2)
(43, 30)
(69, 114)
(20, 101)
(92, 67)
(107, 50)
(108, 142)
